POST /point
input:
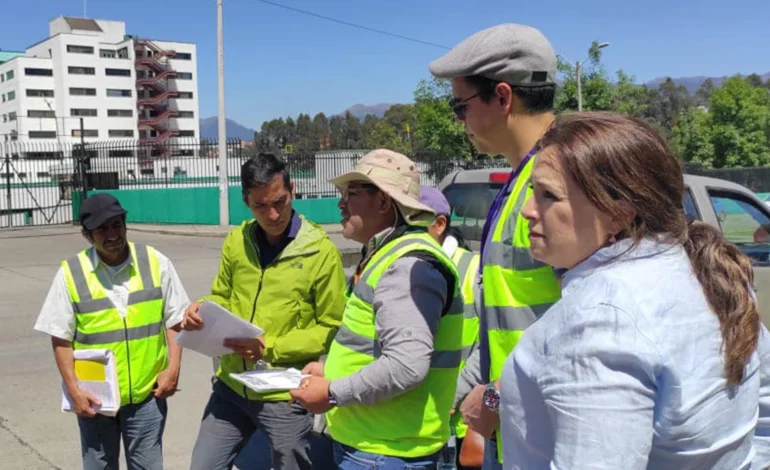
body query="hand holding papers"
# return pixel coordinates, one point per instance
(269, 380)
(97, 375)
(218, 325)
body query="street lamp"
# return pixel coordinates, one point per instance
(579, 72)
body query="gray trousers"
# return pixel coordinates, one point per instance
(141, 427)
(229, 421)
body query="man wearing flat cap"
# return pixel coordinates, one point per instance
(503, 86)
(126, 298)
(389, 379)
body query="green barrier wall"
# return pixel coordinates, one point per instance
(200, 206)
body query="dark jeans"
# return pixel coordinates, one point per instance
(348, 458)
(141, 427)
(229, 421)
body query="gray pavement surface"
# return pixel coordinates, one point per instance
(34, 432)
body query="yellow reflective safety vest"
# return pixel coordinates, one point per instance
(138, 340)
(517, 289)
(467, 263)
(414, 423)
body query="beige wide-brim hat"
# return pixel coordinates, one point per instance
(397, 176)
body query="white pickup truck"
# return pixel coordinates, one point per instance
(742, 217)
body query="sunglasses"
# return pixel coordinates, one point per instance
(460, 106)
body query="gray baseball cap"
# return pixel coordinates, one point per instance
(513, 53)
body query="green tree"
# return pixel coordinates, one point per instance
(321, 132)
(691, 138)
(740, 115)
(438, 131)
(352, 133)
(337, 131)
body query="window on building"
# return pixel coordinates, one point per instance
(80, 49)
(86, 133)
(116, 93)
(40, 113)
(120, 154)
(184, 76)
(186, 134)
(185, 95)
(32, 93)
(186, 114)
(108, 54)
(183, 56)
(121, 133)
(83, 91)
(11, 95)
(83, 112)
(12, 116)
(42, 134)
(9, 75)
(35, 72)
(120, 113)
(81, 70)
(123, 53)
(117, 72)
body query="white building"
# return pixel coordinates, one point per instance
(122, 86)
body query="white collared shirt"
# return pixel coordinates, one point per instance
(450, 245)
(57, 317)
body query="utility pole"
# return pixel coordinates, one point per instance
(7, 176)
(579, 72)
(224, 206)
(82, 160)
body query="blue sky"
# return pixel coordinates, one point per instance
(280, 63)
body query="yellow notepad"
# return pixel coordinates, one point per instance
(91, 371)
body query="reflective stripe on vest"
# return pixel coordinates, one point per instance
(517, 289)
(137, 339)
(414, 423)
(467, 264)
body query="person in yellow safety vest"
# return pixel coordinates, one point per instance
(388, 381)
(467, 263)
(125, 297)
(503, 86)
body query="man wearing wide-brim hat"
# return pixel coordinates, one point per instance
(388, 382)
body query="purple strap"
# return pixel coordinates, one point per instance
(497, 203)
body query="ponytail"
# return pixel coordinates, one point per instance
(727, 278)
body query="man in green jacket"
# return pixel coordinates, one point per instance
(282, 273)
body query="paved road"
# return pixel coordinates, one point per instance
(34, 433)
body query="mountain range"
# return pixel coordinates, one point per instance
(234, 130)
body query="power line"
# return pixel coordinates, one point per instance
(353, 25)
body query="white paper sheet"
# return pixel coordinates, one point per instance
(270, 380)
(108, 391)
(218, 324)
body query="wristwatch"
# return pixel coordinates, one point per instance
(492, 398)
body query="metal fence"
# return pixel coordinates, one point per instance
(39, 178)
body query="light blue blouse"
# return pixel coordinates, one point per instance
(626, 372)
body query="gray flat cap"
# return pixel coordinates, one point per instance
(513, 53)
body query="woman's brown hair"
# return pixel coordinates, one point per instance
(621, 162)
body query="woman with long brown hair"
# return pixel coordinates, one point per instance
(655, 357)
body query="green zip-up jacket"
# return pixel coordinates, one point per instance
(297, 299)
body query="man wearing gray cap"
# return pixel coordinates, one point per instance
(503, 86)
